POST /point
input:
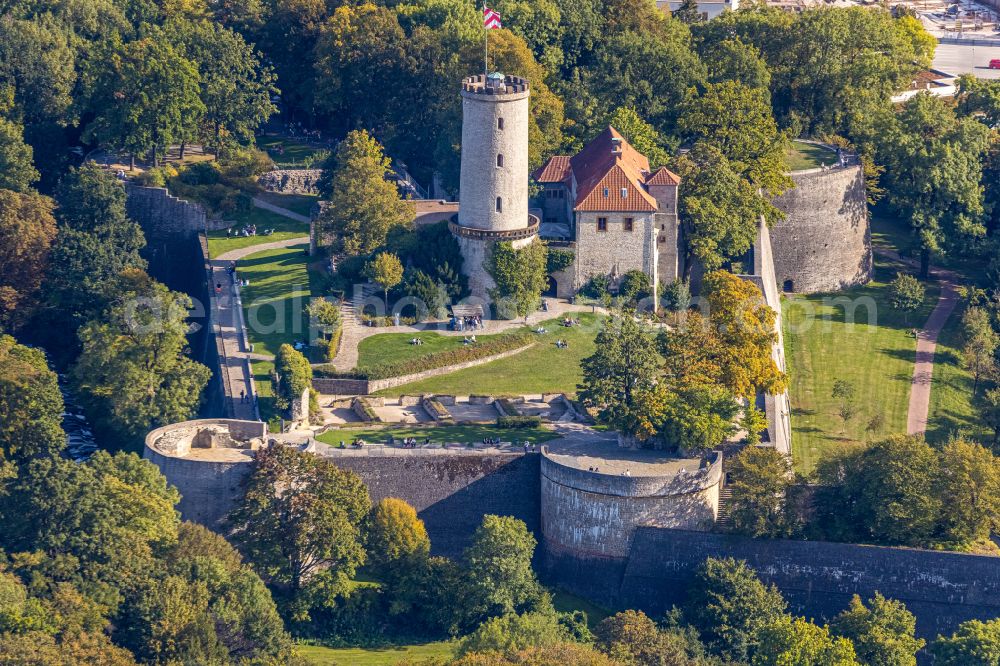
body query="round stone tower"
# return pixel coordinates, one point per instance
(493, 192)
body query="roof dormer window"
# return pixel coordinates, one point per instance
(607, 192)
(624, 193)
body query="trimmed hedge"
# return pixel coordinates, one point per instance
(487, 347)
(517, 422)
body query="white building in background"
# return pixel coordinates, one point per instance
(709, 8)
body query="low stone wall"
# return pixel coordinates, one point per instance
(337, 386)
(291, 181)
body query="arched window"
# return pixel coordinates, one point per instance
(500, 160)
(499, 123)
(499, 205)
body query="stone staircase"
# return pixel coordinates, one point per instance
(725, 519)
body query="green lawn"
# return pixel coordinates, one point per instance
(396, 347)
(542, 369)
(821, 348)
(297, 203)
(801, 156)
(274, 303)
(284, 228)
(565, 602)
(952, 407)
(457, 434)
(386, 656)
(295, 153)
(265, 391)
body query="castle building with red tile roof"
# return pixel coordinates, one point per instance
(619, 214)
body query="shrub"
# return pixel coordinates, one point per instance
(518, 422)
(597, 286)
(331, 345)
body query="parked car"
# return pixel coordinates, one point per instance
(995, 63)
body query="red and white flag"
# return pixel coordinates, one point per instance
(491, 19)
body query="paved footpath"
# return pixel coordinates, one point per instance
(228, 316)
(923, 368)
(278, 210)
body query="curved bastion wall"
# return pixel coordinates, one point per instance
(588, 514)
(824, 242)
(207, 461)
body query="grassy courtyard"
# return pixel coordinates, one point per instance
(457, 434)
(952, 408)
(284, 228)
(821, 346)
(801, 156)
(544, 368)
(297, 203)
(289, 153)
(274, 303)
(396, 347)
(318, 655)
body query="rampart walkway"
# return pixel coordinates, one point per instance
(234, 351)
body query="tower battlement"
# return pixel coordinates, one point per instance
(495, 85)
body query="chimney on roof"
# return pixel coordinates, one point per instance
(616, 146)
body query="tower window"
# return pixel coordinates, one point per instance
(602, 224)
(499, 205)
(499, 123)
(500, 160)
(629, 224)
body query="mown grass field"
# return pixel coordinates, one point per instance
(297, 203)
(542, 369)
(396, 347)
(274, 303)
(287, 152)
(383, 656)
(953, 409)
(822, 345)
(456, 434)
(801, 156)
(284, 228)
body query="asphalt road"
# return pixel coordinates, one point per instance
(961, 59)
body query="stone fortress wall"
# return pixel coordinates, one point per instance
(824, 242)
(595, 514)
(624, 542)
(163, 216)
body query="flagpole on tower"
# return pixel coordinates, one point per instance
(486, 45)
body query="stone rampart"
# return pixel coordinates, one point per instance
(162, 215)
(824, 242)
(591, 514)
(818, 578)
(291, 181)
(452, 492)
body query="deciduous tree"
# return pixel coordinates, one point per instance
(299, 521)
(133, 374)
(31, 405)
(520, 277)
(498, 564)
(394, 532)
(386, 271)
(729, 605)
(882, 632)
(364, 206)
(27, 230)
(760, 479)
